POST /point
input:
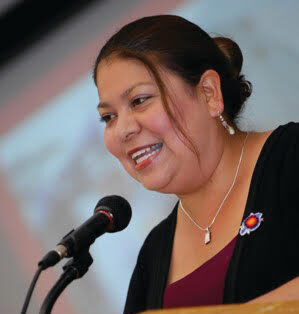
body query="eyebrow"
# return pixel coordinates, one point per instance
(124, 94)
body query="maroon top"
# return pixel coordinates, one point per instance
(203, 286)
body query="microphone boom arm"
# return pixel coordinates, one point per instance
(75, 268)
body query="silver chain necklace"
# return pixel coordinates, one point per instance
(207, 229)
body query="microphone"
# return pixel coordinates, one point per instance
(111, 214)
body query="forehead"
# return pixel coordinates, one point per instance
(117, 77)
(117, 74)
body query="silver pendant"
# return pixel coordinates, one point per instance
(208, 236)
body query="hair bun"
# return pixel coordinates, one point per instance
(235, 88)
(233, 54)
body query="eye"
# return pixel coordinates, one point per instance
(106, 117)
(140, 100)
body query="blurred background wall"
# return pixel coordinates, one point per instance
(53, 163)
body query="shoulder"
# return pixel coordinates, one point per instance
(279, 166)
(159, 231)
(287, 132)
(276, 168)
(159, 235)
(286, 138)
(279, 143)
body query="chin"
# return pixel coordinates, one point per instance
(152, 186)
(172, 186)
(160, 186)
(154, 181)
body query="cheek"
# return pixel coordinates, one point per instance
(111, 144)
(158, 123)
(114, 148)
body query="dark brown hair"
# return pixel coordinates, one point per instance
(182, 47)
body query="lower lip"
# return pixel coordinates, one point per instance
(147, 161)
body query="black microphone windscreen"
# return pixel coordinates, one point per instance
(119, 208)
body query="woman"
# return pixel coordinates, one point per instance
(170, 95)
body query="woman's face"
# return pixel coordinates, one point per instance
(131, 105)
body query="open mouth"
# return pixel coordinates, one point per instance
(146, 153)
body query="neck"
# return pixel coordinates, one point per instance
(203, 203)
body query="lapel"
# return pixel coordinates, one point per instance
(161, 262)
(253, 204)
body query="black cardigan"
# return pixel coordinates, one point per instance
(261, 261)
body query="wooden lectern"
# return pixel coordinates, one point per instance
(290, 307)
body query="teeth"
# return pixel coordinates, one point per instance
(142, 151)
(141, 159)
(138, 153)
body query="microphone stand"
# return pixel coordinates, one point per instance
(73, 269)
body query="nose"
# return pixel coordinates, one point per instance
(127, 126)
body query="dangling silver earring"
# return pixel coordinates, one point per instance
(228, 127)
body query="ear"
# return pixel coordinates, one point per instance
(210, 87)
